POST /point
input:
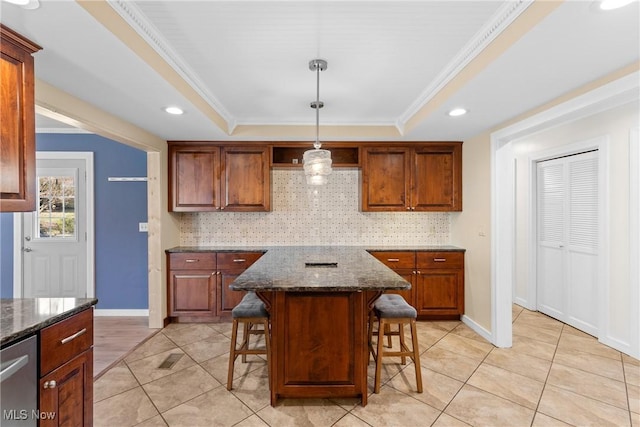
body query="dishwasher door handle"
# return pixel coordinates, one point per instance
(14, 366)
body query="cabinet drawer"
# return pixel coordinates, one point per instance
(440, 259)
(193, 260)
(396, 259)
(237, 260)
(64, 340)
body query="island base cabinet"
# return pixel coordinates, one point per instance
(66, 394)
(319, 345)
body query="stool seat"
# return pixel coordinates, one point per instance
(250, 306)
(393, 306)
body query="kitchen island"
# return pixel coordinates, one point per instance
(318, 299)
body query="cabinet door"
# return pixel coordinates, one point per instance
(228, 298)
(66, 394)
(17, 124)
(230, 266)
(192, 293)
(440, 292)
(245, 180)
(409, 294)
(194, 178)
(386, 179)
(437, 178)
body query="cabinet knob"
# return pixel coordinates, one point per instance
(50, 384)
(408, 208)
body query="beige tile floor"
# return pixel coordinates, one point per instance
(554, 375)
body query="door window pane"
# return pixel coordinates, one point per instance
(56, 217)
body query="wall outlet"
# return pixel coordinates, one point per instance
(143, 227)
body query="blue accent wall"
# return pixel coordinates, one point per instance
(120, 249)
(6, 255)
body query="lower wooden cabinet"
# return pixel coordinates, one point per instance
(440, 283)
(66, 394)
(66, 372)
(436, 277)
(198, 283)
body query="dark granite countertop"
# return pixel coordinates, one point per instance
(186, 249)
(22, 317)
(439, 248)
(426, 248)
(283, 269)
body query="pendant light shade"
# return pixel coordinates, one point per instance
(317, 162)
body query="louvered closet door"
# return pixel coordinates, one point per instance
(567, 257)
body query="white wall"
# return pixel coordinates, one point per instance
(307, 215)
(616, 124)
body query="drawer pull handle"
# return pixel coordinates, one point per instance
(393, 259)
(439, 260)
(50, 384)
(73, 337)
(239, 260)
(192, 260)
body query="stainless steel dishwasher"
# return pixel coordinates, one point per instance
(19, 384)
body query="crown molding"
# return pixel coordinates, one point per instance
(64, 130)
(145, 29)
(492, 29)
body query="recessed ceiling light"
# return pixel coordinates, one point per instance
(613, 4)
(174, 110)
(26, 4)
(457, 112)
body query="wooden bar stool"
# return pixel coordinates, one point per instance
(251, 312)
(392, 309)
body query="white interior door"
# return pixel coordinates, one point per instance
(568, 234)
(55, 235)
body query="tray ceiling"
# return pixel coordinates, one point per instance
(239, 68)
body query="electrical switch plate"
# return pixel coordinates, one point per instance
(143, 227)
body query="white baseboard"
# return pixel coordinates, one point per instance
(121, 312)
(619, 345)
(477, 328)
(523, 303)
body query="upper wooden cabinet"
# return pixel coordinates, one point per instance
(17, 123)
(206, 177)
(425, 177)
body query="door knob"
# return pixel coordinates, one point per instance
(27, 249)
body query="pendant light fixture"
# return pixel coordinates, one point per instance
(317, 162)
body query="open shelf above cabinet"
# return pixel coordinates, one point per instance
(290, 155)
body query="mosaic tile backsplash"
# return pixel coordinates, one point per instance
(307, 215)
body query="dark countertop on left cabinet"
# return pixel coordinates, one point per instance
(21, 317)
